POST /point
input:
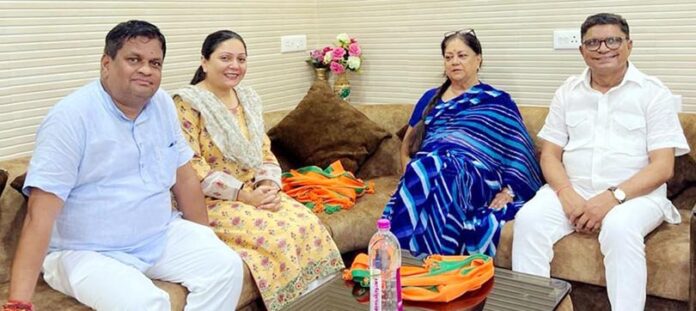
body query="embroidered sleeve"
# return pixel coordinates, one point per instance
(191, 127)
(221, 186)
(269, 170)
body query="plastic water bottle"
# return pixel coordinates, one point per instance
(385, 264)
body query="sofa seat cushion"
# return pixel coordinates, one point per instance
(352, 229)
(667, 252)
(46, 298)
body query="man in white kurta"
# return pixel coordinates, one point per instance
(609, 144)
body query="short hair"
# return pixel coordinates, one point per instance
(128, 30)
(604, 19)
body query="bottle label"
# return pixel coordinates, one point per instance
(376, 290)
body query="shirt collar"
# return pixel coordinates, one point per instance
(632, 75)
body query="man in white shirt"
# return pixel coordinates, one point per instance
(610, 139)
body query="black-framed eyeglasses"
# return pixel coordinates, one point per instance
(460, 32)
(612, 43)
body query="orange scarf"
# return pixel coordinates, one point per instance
(328, 190)
(441, 279)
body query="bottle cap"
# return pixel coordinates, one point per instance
(383, 224)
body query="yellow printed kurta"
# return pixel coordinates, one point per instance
(285, 250)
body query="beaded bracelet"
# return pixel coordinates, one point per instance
(15, 305)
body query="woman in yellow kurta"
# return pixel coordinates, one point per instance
(282, 242)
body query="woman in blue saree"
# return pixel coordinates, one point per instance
(469, 164)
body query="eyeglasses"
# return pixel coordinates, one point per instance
(612, 43)
(462, 32)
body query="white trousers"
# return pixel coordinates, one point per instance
(193, 256)
(541, 222)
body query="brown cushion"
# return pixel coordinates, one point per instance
(352, 229)
(384, 162)
(684, 176)
(3, 180)
(402, 131)
(323, 129)
(13, 208)
(18, 183)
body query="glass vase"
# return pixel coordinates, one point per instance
(342, 86)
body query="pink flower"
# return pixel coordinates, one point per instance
(338, 53)
(337, 68)
(236, 221)
(317, 55)
(354, 49)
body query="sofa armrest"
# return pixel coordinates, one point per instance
(692, 257)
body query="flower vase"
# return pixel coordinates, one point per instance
(342, 86)
(320, 75)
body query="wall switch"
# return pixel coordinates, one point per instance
(293, 43)
(566, 39)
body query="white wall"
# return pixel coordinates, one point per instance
(50, 48)
(401, 43)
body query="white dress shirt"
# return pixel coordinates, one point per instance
(606, 138)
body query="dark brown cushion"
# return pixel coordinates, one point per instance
(3, 180)
(323, 129)
(684, 176)
(18, 183)
(402, 131)
(385, 161)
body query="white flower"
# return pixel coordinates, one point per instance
(343, 39)
(327, 57)
(353, 62)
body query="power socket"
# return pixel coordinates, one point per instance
(293, 43)
(566, 39)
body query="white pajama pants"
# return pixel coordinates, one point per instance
(541, 222)
(193, 257)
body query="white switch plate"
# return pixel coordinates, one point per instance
(293, 43)
(566, 39)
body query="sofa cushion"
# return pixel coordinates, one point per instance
(46, 298)
(385, 161)
(3, 180)
(12, 210)
(352, 229)
(323, 129)
(578, 258)
(18, 183)
(684, 176)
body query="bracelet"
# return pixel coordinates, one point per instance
(558, 192)
(16, 305)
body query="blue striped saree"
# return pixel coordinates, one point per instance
(474, 145)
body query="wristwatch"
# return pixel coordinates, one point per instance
(618, 194)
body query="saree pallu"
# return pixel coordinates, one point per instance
(474, 145)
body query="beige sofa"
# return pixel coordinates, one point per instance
(577, 256)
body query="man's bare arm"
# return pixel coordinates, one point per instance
(43, 208)
(189, 196)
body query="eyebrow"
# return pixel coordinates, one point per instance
(136, 54)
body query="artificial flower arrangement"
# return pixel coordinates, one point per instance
(344, 55)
